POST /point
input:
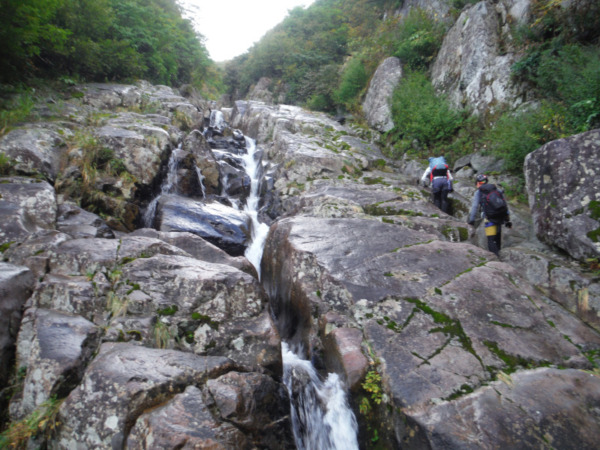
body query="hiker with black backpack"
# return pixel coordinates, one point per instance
(494, 209)
(440, 179)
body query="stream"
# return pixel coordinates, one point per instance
(320, 415)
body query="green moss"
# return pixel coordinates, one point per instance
(463, 390)
(503, 325)
(512, 362)
(5, 246)
(205, 320)
(463, 233)
(449, 326)
(168, 311)
(438, 291)
(594, 208)
(594, 235)
(371, 181)
(379, 163)
(135, 334)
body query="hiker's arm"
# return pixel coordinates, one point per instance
(474, 208)
(425, 176)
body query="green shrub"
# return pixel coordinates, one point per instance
(517, 134)
(353, 81)
(16, 108)
(42, 422)
(420, 115)
(6, 164)
(419, 39)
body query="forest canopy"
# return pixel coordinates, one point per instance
(101, 40)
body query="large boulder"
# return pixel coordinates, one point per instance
(26, 206)
(185, 421)
(473, 66)
(36, 149)
(563, 196)
(519, 411)
(440, 318)
(222, 225)
(123, 382)
(16, 285)
(377, 105)
(54, 348)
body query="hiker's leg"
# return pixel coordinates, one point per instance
(493, 245)
(436, 189)
(437, 199)
(499, 237)
(444, 202)
(491, 231)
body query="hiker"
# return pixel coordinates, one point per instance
(440, 180)
(494, 210)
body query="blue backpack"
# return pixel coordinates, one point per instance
(438, 166)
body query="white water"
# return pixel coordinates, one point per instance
(258, 229)
(201, 181)
(217, 120)
(169, 185)
(321, 418)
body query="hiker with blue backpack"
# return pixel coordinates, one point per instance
(440, 180)
(491, 202)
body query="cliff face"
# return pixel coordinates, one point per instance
(156, 337)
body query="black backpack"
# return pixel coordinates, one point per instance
(493, 203)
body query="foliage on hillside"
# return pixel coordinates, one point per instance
(102, 40)
(322, 57)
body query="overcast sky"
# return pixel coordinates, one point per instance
(232, 26)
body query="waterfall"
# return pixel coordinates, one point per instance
(201, 181)
(258, 229)
(169, 185)
(321, 417)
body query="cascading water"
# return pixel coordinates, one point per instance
(169, 186)
(259, 230)
(321, 418)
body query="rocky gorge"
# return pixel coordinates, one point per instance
(130, 306)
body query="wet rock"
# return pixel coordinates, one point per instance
(223, 226)
(205, 161)
(255, 402)
(344, 352)
(198, 248)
